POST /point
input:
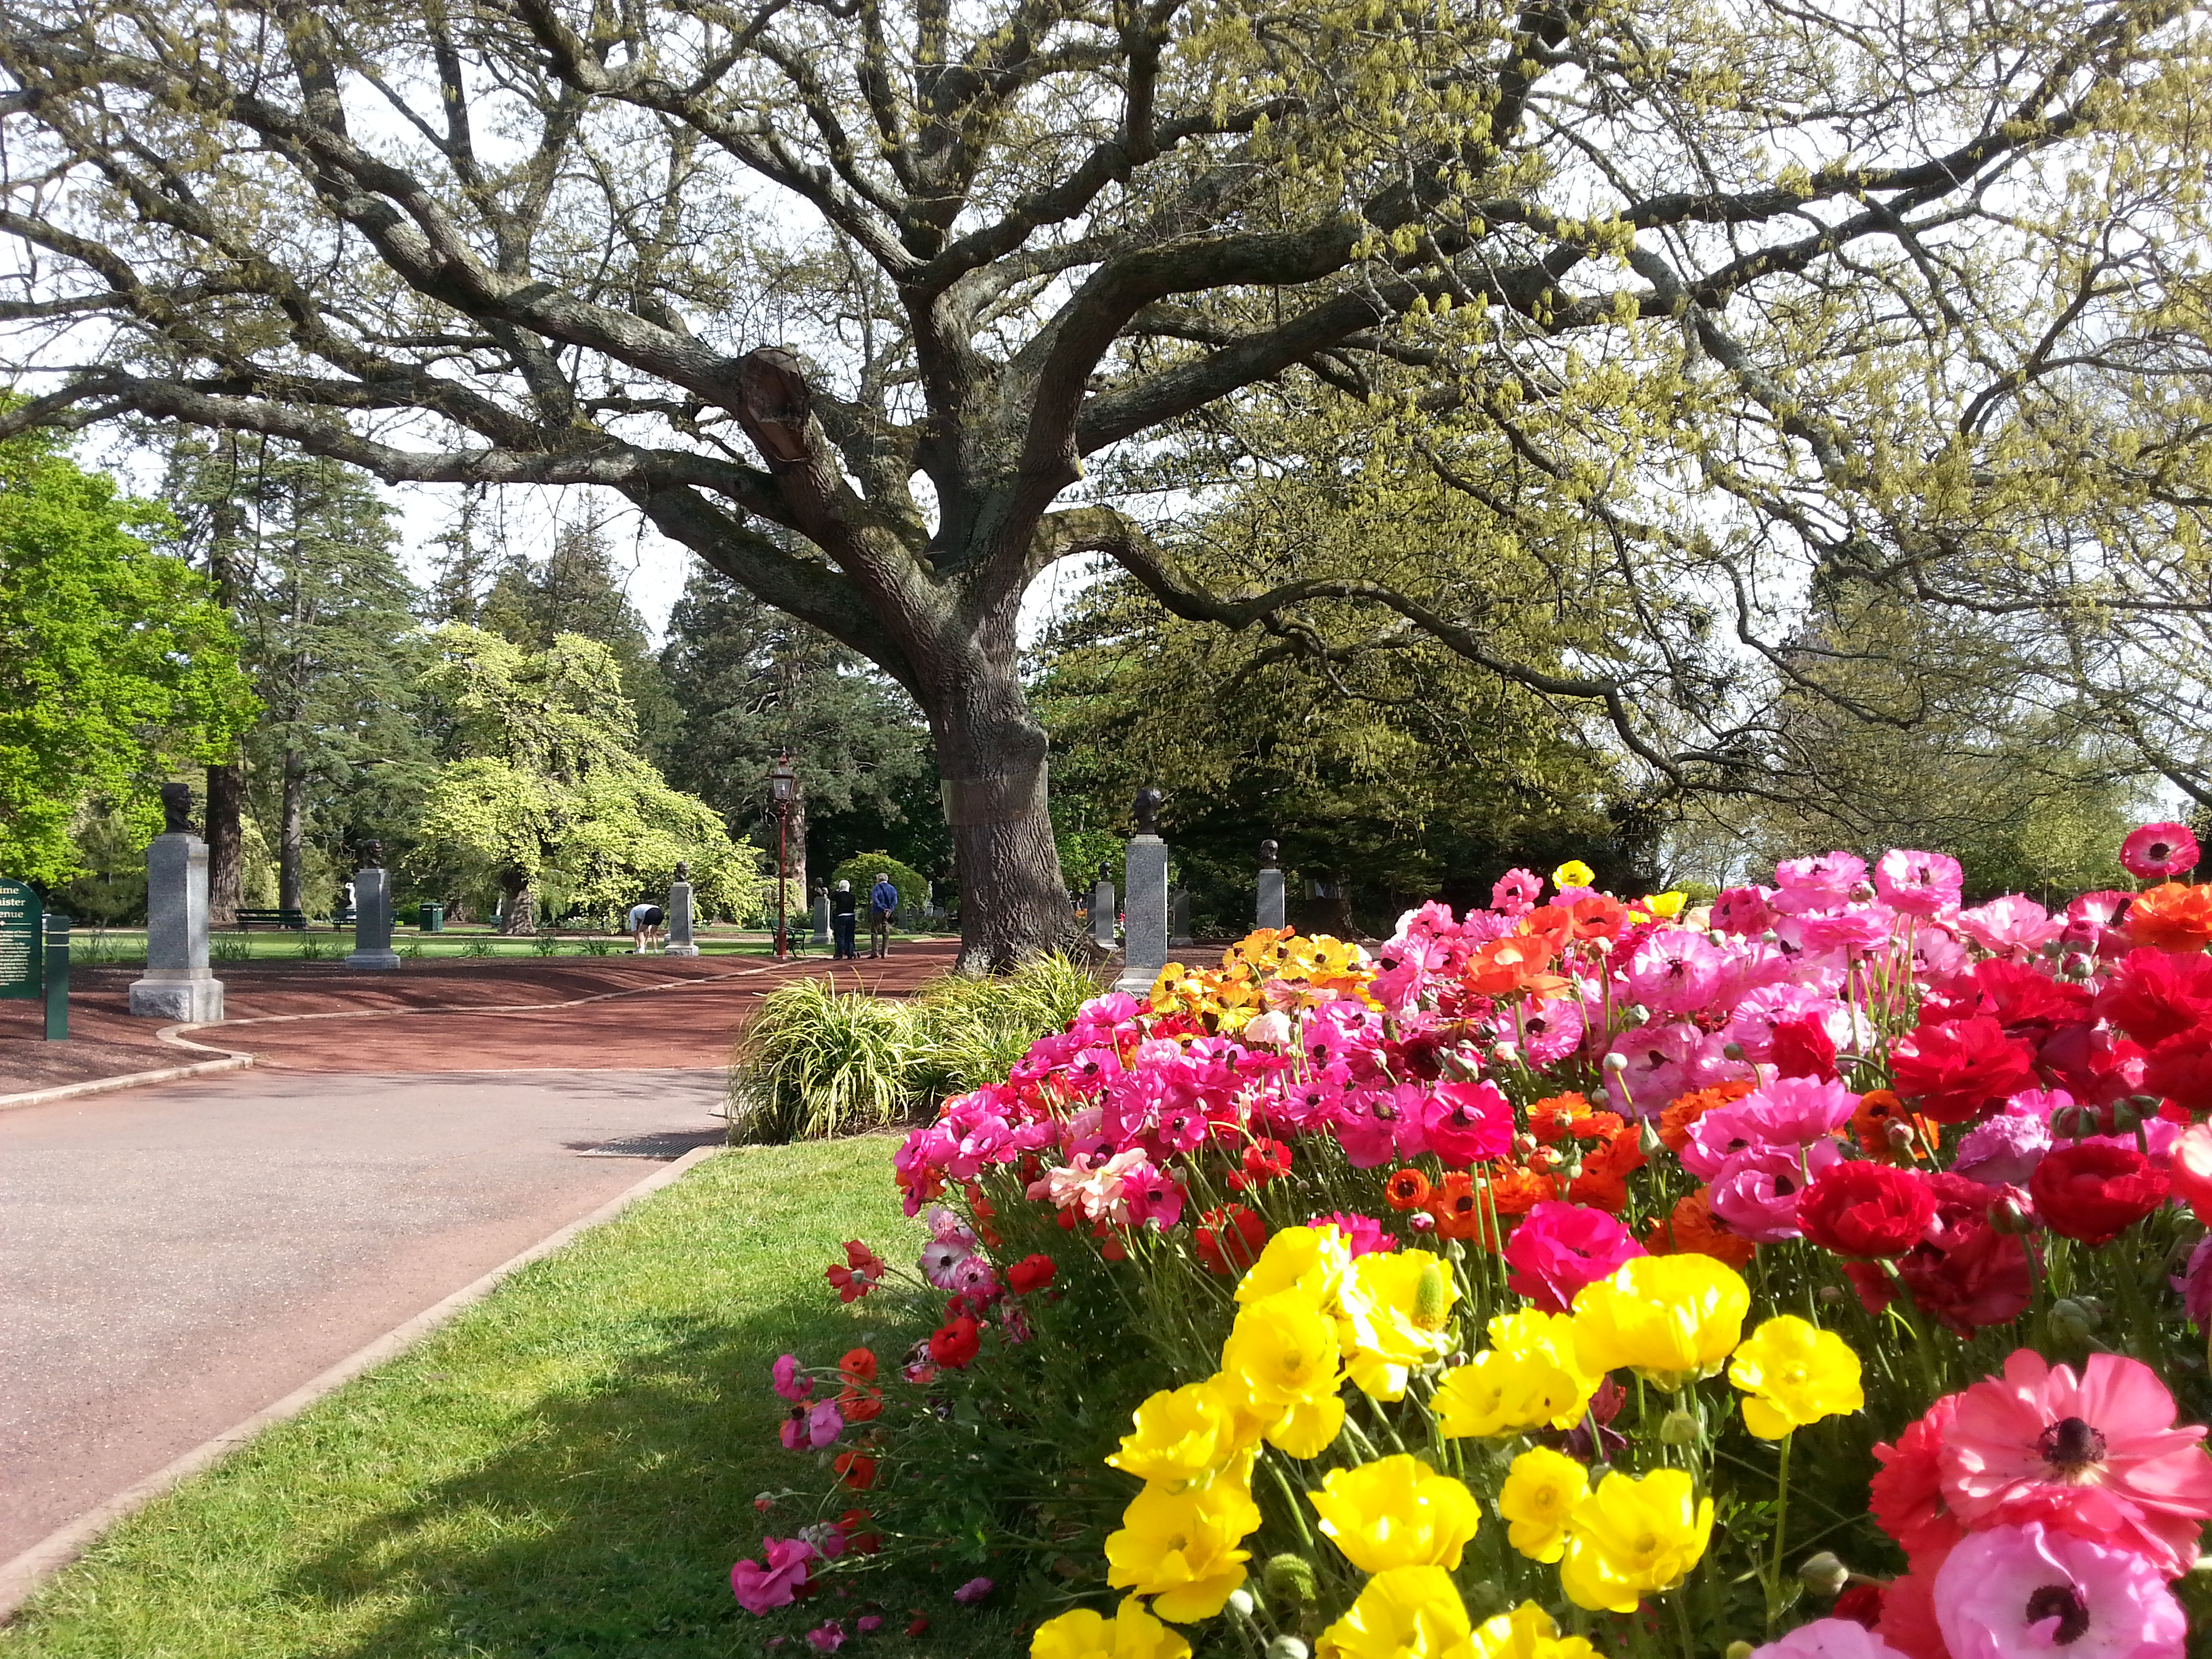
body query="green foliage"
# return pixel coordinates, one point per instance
(817, 1061)
(116, 667)
(862, 869)
(551, 805)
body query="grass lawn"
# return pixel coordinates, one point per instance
(568, 1469)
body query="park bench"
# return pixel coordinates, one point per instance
(249, 920)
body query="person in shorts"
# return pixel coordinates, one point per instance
(646, 921)
(842, 923)
(882, 904)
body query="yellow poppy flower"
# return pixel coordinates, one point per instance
(1541, 1488)
(1665, 906)
(1310, 1260)
(1528, 1632)
(1180, 1547)
(1793, 1373)
(1633, 1538)
(1396, 1307)
(1396, 1512)
(1407, 1612)
(1185, 1434)
(1497, 1395)
(1573, 873)
(1670, 1318)
(1282, 1353)
(1132, 1633)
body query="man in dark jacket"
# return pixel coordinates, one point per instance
(840, 921)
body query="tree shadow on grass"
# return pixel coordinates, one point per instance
(607, 1523)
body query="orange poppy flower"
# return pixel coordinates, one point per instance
(1406, 1189)
(1677, 1121)
(1617, 1155)
(2172, 916)
(1877, 1109)
(1516, 1191)
(1499, 967)
(1694, 1230)
(1556, 1116)
(1599, 1190)
(1458, 1206)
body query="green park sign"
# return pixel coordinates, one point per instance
(21, 946)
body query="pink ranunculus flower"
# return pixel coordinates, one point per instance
(827, 1638)
(2099, 1455)
(1090, 1185)
(1743, 911)
(974, 1279)
(1676, 972)
(1918, 884)
(1790, 1111)
(759, 1589)
(1363, 1233)
(2159, 852)
(1515, 892)
(2015, 925)
(1560, 1248)
(2015, 1590)
(1828, 1638)
(1804, 887)
(940, 1261)
(812, 1430)
(972, 1592)
(1547, 1032)
(1660, 1058)
(1464, 1123)
(1153, 1197)
(789, 1381)
(2003, 1150)
(1755, 1191)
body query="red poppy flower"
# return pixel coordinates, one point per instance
(955, 1343)
(1955, 1068)
(1031, 1272)
(2180, 1068)
(1406, 1189)
(859, 1365)
(1802, 1047)
(856, 1469)
(1265, 1160)
(1860, 1209)
(853, 1523)
(2157, 995)
(855, 1276)
(1229, 1239)
(860, 1405)
(2094, 1193)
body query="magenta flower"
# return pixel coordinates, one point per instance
(1743, 911)
(2195, 1284)
(788, 1381)
(2099, 1455)
(1828, 1638)
(828, 1637)
(2015, 1590)
(1662, 1059)
(1517, 892)
(808, 1430)
(1676, 972)
(1755, 1191)
(975, 1278)
(1789, 1112)
(972, 1592)
(1154, 1197)
(1560, 1248)
(1918, 883)
(1364, 1233)
(758, 1587)
(2159, 852)
(1466, 1123)
(1805, 886)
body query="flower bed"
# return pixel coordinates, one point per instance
(1813, 1274)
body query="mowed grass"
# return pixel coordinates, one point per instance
(568, 1469)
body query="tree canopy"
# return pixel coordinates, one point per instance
(117, 666)
(549, 804)
(847, 296)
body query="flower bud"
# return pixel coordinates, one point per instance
(1824, 1575)
(2072, 1318)
(1647, 1139)
(1288, 1578)
(1420, 1221)
(1241, 1603)
(1616, 1063)
(1733, 1050)
(1287, 1647)
(1769, 936)
(1739, 1649)
(1899, 1136)
(1524, 1144)
(1679, 1428)
(1830, 1295)
(2009, 1215)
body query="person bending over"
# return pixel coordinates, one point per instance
(646, 921)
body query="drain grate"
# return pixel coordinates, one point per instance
(666, 1146)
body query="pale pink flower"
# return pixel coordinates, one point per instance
(1515, 892)
(813, 1429)
(2099, 1455)
(1805, 886)
(1828, 1638)
(2015, 925)
(1660, 1058)
(1092, 1186)
(1675, 971)
(1918, 884)
(1755, 1191)
(2015, 1590)
(1273, 1029)
(2003, 1150)
(940, 1261)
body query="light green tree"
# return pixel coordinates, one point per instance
(549, 806)
(116, 667)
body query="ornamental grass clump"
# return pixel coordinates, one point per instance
(1824, 1271)
(816, 1061)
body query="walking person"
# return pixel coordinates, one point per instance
(646, 921)
(882, 903)
(842, 922)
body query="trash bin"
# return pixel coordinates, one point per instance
(432, 920)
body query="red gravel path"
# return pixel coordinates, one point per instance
(561, 1013)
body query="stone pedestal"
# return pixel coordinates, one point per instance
(1102, 917)
(178, 984)
(1271, 907)
(1179, 934)
(372, 921)
(821, 941)
(679, 922)
(1145, 914)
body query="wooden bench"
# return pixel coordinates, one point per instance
(248, 921)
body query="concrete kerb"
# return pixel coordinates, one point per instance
(21, 1577)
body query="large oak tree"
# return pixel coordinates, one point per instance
(842, 295)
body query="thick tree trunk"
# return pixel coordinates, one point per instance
(292, 830)
(226, 841)
(1013, 902)
(519, 913)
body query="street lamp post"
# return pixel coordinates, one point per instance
(781, 783)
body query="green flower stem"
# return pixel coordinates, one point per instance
(1781, 1526)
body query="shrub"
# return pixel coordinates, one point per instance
(860, 870)
(1569, 1261)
